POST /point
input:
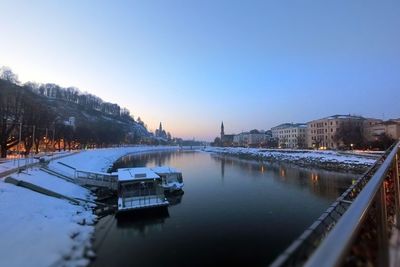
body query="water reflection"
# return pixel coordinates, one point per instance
(235, 213)
(147, 159)
(222, 168)
(142, 222)
(331, 185)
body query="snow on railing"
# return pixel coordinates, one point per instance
(99, 179)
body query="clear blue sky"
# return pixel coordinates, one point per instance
(191, 64)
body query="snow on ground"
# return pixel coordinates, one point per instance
(50, 182)
(38, 230)
(10, 164)
(7, 165)
(99, 160)
(325, 158)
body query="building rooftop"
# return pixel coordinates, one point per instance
(343, 117)
(139, 174)
(290, 125)
(337, 116)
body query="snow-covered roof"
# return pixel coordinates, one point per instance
(342, 117)
(164, 169)
(289, 125)
(283, 125)
(339, 117)
(142, 173)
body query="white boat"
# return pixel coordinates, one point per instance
(171, 178)
(139, 188)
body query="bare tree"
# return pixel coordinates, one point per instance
(301, 141)
(350, 133)
(8, 75)
(36, 119)
(11, 112)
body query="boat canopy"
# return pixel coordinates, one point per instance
(136, 174)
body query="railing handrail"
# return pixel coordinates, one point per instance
(302, 248)
(333, 248)
(97, 179)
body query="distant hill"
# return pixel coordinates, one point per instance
(87, 109)
(85, 115)
(43, 115)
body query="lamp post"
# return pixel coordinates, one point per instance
(19, 142)
(47, 141)
(33, 142)
(33, 137)
(54, 130)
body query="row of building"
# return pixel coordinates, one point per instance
(320, 133)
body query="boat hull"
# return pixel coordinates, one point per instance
(140, 204)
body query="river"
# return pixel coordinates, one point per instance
(232, 213)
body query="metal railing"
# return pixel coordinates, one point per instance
(97, 179)
(143, 200)
(352, 230)
(361, 237)
(144, 197)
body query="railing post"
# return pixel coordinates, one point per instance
(395, 177)
(383, 251)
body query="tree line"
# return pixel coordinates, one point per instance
(351, 134)
(27, 120)
(74, 95)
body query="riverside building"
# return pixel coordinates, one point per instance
(290, 135)
(321, 133)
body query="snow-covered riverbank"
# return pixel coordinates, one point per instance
(329, 160)
(38, 230)
(100, 160)
(8, 166)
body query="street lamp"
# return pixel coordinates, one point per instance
(19, 141)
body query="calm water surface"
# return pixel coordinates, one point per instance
(232, 213)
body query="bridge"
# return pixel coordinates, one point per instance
(361, 228)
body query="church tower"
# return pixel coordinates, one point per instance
(159, 131)
(222, 131)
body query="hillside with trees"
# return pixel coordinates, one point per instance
(47, 116)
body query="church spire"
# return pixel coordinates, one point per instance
(222, 130)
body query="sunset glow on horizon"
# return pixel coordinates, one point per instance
(191, 65)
